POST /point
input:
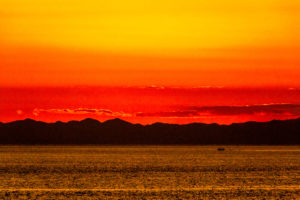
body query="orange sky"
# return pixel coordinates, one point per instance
(185, 44)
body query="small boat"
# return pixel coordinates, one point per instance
(221, 149)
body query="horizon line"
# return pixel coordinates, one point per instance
(150, 123)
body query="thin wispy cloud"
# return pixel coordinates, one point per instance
(82, 111)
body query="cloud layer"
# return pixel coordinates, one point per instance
(292, 110)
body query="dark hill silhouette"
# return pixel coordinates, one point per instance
(117, 131)
(116, 123)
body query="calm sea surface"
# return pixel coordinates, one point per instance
(149, 172)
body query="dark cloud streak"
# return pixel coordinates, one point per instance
(196, 111)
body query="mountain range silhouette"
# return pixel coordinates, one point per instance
(120, 132)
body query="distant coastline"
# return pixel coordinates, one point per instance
(119, 132)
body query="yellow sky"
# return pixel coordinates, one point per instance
(150, 26)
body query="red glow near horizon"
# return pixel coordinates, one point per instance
(150, 104)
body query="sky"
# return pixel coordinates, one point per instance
(146, 61)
